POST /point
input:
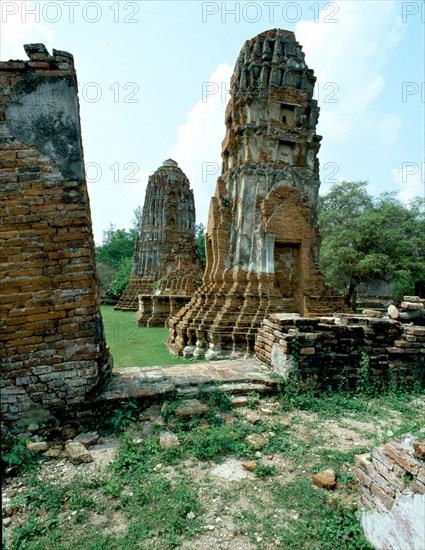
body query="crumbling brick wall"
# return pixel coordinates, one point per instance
(331, 349)
(52, 346)
(393, 469)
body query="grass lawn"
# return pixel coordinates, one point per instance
(133, 346)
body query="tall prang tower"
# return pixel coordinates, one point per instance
(165, 260)
(262, 240)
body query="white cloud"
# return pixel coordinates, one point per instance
(411, 179)
(19, 26)
(198, 150)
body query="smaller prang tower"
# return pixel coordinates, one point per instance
(165, 261)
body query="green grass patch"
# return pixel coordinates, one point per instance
(133, 346)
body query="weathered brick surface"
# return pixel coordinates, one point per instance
(331, 348)
(262, 241)
(53, 348)
(165, 260)
(387, 473)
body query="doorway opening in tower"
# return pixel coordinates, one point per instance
(287, 268)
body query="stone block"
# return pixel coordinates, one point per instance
(77, 453)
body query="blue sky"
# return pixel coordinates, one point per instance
(153, 79)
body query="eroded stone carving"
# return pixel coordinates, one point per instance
(262, 238)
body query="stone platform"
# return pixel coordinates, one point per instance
(236, 377)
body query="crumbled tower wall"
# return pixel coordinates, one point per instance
(391, 470)
(53, 352)
(165, 261)
(331, 349)
(262, 240)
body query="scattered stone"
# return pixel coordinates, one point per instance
(239, 401)
(148, 428)
(266, 411)
(68, 432)
(419, 450)
(392, 311)
(325, 479)
(249, 465)
(87, 439)
(77, 453)
(151, 413)
(52, 453)
(257, 440)
(258, 454)
(38, 446)
(190, 515)
(228, 418)
(285, 422)
(138, 441)
(253, 417)
(168, 440)
(204, 426)
(33, 428)
(191, 407)
(6, 522)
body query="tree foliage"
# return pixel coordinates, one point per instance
(117, 244)
(114, 258)
(200, 241)
(368, 239)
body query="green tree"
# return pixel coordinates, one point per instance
(367, 239)
(121, 279)
(117, 244)
(114, 257)
(200, 241)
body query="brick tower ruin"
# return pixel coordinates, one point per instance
(262, 239)
(52, 346)
(166, 267)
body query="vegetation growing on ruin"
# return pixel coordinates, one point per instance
(367, 239)
(155, 497)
